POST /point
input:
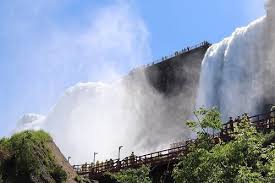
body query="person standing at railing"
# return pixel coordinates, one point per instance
(111, 164)
(84, 167)
(118, 164)
(246, 117)
(96, 166)
(237, 121)
(125, 162)
(231, 124)
(132, 158)
(106, 165)
(272, 116)
(92, 166)
(101, 166)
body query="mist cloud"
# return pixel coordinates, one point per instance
(100, 116)
(88, 117)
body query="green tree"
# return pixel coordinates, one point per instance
(206, 124)
(140, 175)
(248, 158)
(205, 119)
(29, 159)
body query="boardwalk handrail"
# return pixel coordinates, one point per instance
(179, 52)
(176, 53)
(262, 122)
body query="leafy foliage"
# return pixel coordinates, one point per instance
(140, 175)
(206, 119)
(249, 157)
(58, 174)
(30, 160)
(79, 179)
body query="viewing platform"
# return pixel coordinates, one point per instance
(171, 56)
(262, 122)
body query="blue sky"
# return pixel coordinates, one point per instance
(48, 46)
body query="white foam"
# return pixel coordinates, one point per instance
(237, 73)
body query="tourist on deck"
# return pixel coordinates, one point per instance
(272, 115)
(92, 167)
(132, 158)
(118, 164)
(111, 164)
(125, 162)
(84, 167)
(101, 166)
(97, 166)
(231, 123)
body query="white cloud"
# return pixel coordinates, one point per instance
(30, 121)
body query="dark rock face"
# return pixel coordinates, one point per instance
(178, 74)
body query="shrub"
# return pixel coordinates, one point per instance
(140, 175)
(30, 159)
(248, 158)
(59, 175)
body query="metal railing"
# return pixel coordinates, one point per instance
(176, 53)
(183, 51)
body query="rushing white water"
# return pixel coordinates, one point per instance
(237, 74)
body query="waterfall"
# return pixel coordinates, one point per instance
(237, 74)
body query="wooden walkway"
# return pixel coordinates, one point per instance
(263, 123)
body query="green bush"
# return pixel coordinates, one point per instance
(140, 175)
(248, 158)
(79, 179)
(30, 159)
(59, 175)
